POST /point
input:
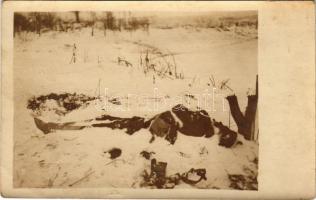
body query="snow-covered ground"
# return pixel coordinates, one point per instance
(42, 65)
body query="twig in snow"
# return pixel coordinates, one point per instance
(61, 184)
(51, 181)
(212, 80)
(115, 160)
(70, 139)
(81, 179)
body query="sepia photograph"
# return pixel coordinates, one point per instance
(127, 99)
(117, 99)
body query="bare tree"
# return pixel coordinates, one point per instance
(77, 16)
(94, 18)
(110, 21)
(245, 123)
(38, 23)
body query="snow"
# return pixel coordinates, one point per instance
(42, 65)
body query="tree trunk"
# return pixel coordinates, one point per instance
(77, 16)
(245, 123)
(251, 107)
(242, 124)
(38, 23)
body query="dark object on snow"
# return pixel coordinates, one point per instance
(183, 154)
(114, 152)
(227, 137)
(51, 127)
(201, 173)
(146, 154)
(194, 123)
(66, 100)
(158, 178)
(115, 101)
(203, 151)
(131, 124)
(172, 181)
(158, 173)
(242, 182)
(164, 125)
(255, 161)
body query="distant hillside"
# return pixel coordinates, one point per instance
(206, 20)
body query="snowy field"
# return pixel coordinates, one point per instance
(42, 65)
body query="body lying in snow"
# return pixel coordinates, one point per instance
(167, 125)
(181, 119)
